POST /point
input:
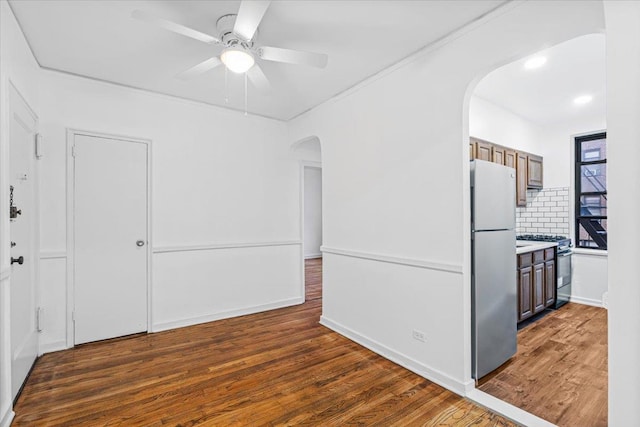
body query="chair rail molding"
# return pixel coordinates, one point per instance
(217, 246)
(427, 264)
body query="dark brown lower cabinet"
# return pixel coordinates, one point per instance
(525, 302)
(536, 282)
(550, 282)
(538, 288)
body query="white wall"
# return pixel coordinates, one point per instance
(396, 189)
(17, 68)
(312, 212)
(225, 202)
(496, 124)
(623, 110)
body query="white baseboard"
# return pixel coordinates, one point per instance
(52, 346)
(312, 256)
(586, 301)
(507, 410)
(7, 418)
(225, 314)
(458, 387)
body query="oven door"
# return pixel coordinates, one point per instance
(564, 269)
(563, 293)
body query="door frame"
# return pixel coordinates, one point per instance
(70, 188)
(303, 165)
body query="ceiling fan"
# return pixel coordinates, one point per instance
(238, 35)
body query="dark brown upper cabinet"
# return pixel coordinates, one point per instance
(534, 171)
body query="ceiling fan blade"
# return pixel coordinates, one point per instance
(258, 78)
(202, 67)
(291, 56)
(173, 27)
(249, 16)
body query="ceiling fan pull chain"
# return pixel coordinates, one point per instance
(245, 94)
(226, 86)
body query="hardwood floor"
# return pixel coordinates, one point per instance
(560, 370)
(313, 278)
(275, 368)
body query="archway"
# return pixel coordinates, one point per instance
(515, 120)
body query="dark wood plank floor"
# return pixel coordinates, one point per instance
(274, 368)
(313, 278)
(560, 370)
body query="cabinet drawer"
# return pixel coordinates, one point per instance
(525, 259)
(538, 256)
(549, 254)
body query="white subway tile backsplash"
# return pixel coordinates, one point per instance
(547, 212)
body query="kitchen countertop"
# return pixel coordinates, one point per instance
(524, 246)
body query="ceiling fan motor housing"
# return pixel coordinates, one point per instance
(225, 26)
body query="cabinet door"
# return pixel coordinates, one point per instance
(510, 158)
(549, 283)
(538, 288)
(521, 179)
(498, 155)
(534, 171)
(525, 303)
(483, 150)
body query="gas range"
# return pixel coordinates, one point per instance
(564, 243)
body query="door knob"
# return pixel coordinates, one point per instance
(19, 260)
(140, 243)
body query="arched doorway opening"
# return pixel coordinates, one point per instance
(527, 115)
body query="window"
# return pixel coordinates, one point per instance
(591, 191)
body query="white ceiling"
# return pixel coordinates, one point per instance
(99, 39)
(545, 95)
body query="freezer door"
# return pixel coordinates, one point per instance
(493, 192)
(494, 298)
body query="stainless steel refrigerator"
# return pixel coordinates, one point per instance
(493, 271)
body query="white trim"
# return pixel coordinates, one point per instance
(430, 265)
(590, 252)
(53, 346)
(461, 388)
(313, 256)
(5, 273)
(53, 255)
(586, 301)
(226, 314)
(160, 95)
(507, 410)
(70, 190)
(7, 418)
(214, 246)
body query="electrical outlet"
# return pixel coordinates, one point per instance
(418, 335)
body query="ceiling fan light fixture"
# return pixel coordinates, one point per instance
(237, 59)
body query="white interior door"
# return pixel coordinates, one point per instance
(23, 232)
(110, 237)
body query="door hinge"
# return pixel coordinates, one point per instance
(73, 316)
(73, 150)
(39, 321)
(38, 149)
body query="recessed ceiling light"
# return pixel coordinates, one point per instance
(582, 99)
(535, 62)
